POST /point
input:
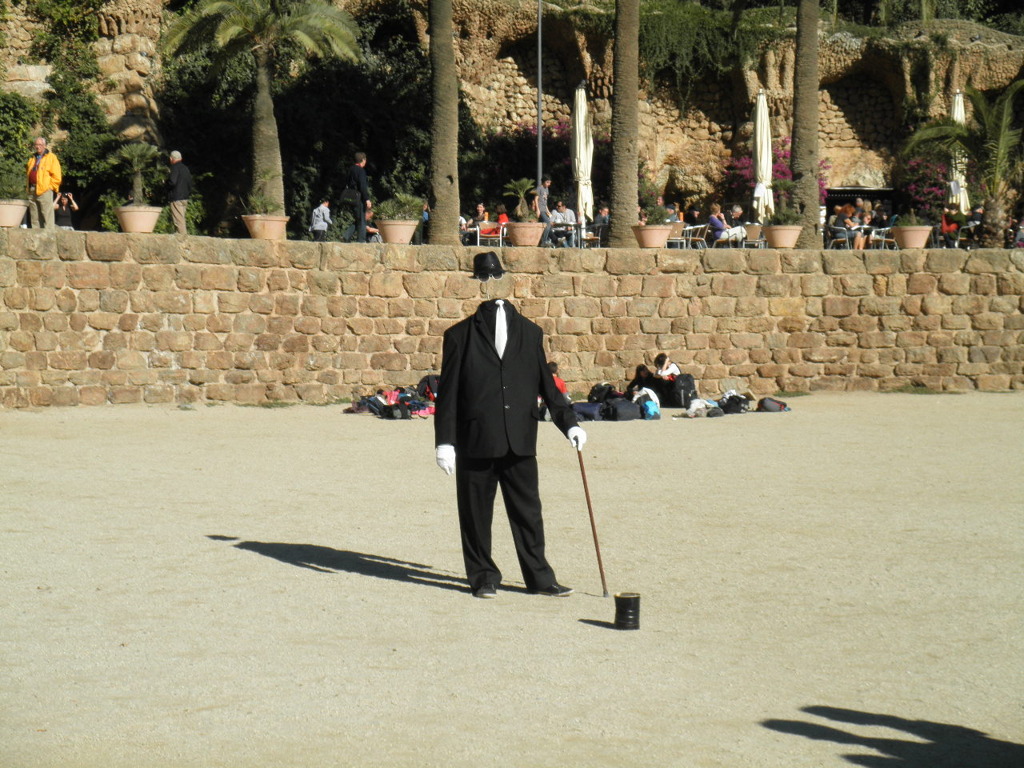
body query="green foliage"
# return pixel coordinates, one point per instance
(518, 189)
(401, 206)
(64, 23)
(12, 179)
(17, 115)
(783, 213)
(655, 214)
(136, 158)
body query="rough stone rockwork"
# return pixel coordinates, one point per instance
(92, 318)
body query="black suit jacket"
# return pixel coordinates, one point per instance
(487, 406)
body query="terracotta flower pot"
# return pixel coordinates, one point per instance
(137, 218)
(398, 231)
(652, 235)
(781, 235)
(525, 233)
(12, 212)
(264, 226)
(911, 236)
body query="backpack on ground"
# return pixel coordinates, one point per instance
(427, 388)
(397, 411)
(682, 392)
(599, 393)
(620, 409)
(650, 409)
(771, 405)
(734, 403)
(587, 411)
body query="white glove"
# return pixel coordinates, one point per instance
(577, 437)
(445, 455)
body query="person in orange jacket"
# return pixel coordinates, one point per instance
(43, 178)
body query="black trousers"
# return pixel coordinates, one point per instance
(476, 483)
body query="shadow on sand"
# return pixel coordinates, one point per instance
(935, 745)
(328, 560)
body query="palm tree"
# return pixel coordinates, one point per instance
(136, 157)
(444, 130)
(993, 143)
(264, 29)
(804, 160)
(625, 123)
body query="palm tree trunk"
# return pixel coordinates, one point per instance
(444, 127)
(625, 123)
(804, 161)
(268, 175)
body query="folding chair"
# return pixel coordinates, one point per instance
(840, 237)
(677, 236)
(491, 238)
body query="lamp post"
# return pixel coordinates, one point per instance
(540, 93)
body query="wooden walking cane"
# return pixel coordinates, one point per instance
(593, 524)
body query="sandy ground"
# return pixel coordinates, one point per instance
(240, 587)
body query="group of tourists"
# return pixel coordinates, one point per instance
(50, 208)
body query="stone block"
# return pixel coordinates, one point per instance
(839, 306)
(723, 260)
(87, 275)
(751, 306)
(386, 284)
(582, 307)
(774, 285)
(719, 306)
(793, 307)
(734, 285)
(801, 261)
(881, 262)
(843, 262)
(856, 285)
(677, 260)
(624, 261)
(922, 283)
(107, 246)
(658, 285)
(990, 261)
(162, 277)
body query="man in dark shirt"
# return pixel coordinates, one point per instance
(360, 205)
(179, 188)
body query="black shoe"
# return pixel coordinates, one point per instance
(555, 590)
(487, 592)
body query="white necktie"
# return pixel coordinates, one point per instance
(500, 329)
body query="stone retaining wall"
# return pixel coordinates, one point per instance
(90, 318)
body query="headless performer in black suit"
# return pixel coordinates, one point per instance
(485, 429)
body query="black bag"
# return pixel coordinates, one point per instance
(350, 196)
(734, 404)
(620, 409)
(587, 411)
(682, 392)
(600, 392)
(427, 388)
(396, 411)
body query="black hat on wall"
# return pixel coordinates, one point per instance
(487, 266)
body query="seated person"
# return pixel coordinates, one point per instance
(372, 232)
(492, 229)
(666, 368)
(563, 226)
(861, 235)
(671, 215)
(718, 228)
(734, 218)
(950, 224)
(642, 377)
(692, 217)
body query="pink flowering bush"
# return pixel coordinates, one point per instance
(739, 172)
